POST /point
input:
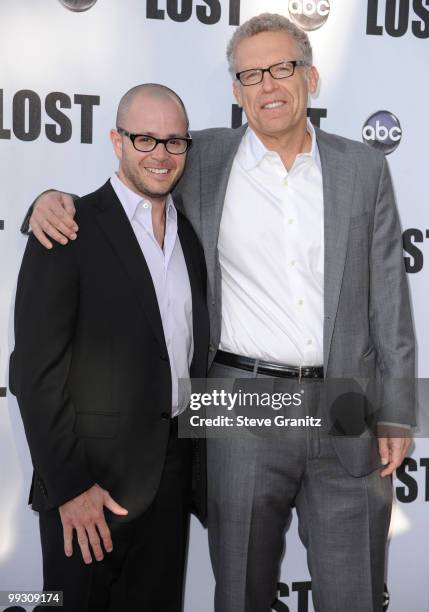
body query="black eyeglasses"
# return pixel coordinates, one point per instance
(145, 143)
(282, 70)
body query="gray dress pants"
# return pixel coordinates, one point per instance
(255, 479)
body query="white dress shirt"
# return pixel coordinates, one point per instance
(271, 253)
(169, 274)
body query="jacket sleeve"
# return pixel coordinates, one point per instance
(45, 316)
(390, 310)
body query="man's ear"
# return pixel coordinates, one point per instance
(116, 140)
(236, 90)
(312, 79)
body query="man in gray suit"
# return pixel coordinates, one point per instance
(306, 281)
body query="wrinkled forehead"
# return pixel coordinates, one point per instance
(264, 49)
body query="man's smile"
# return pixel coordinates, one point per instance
(273, 104)
(157, 170)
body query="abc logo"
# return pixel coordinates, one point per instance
(382, 131)
(78, 6)
(309, 14)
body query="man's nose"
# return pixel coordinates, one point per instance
(160, 152)
(268, 82)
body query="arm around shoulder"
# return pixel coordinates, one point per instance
(51, 214)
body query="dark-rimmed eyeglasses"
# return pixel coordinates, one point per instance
(145, 143)
(282, 70)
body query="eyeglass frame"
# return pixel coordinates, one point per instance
(294, 63)
(164, 141)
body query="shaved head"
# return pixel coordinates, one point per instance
(150, 111)
(154, 91)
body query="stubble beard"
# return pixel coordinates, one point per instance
(141, 187)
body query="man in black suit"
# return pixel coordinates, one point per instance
(104, 328)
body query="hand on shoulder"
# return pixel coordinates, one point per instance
(53, 217)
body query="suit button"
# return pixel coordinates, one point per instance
(164, 357)
(165, 416)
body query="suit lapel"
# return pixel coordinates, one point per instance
(219, 156)
(114, 223)
(338, 184)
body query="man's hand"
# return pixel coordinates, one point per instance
(85, 514)
(393, 444)
(53, 215)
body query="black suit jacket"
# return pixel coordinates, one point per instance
(90, 367)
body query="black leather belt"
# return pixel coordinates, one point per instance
(270, 369)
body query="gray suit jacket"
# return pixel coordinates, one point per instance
(368, 331)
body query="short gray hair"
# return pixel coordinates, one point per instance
(268, 22)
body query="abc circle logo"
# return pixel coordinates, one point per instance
(382, 131)
(78, 6)
(309, 14)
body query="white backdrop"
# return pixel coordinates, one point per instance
(372, 56)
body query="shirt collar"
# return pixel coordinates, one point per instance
(254, 150)
(130, 199)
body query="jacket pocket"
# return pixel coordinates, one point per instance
(368, 352)
(359, 221)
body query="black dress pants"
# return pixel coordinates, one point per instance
(145, 570)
